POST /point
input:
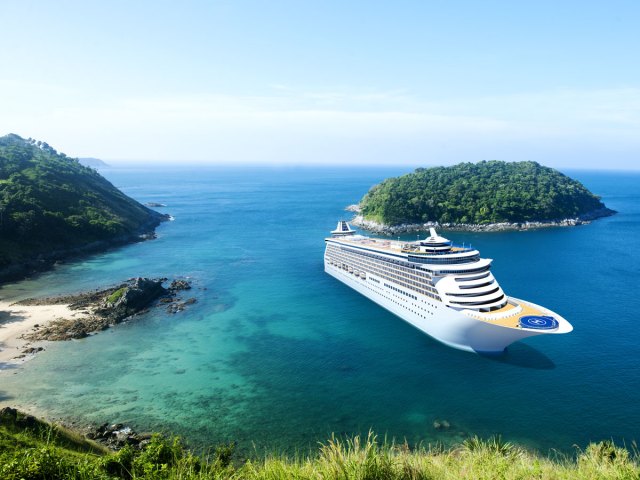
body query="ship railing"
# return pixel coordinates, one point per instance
(453, 249)
(493, 315)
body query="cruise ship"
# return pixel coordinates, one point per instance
(446, 291)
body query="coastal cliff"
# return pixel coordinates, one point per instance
(484, 196)
(52, 208)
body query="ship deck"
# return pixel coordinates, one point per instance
(392, 246)
(509, 315)
(377, 243)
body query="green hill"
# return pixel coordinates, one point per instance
(480, 193)
(51, 206)
(32, 449)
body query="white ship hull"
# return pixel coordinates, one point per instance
(444, 324)
(444, 290)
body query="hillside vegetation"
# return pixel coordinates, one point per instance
(29, 449)
(50, 202)
(479, 193)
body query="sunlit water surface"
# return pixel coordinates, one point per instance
(277, 355)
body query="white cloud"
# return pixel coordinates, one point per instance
(290, 126)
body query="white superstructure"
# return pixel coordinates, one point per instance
(444, 290)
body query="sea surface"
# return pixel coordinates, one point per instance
(276, 355)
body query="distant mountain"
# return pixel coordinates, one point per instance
(92, 162)
(51, 207)
(480, 193)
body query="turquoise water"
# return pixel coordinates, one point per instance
(277, 355)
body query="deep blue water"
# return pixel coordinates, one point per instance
(276, 354)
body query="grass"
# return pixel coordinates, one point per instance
(48, 452)
(115, 296)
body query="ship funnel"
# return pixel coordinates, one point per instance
(342, 229)
(435, 241)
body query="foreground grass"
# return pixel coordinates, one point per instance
(41, 452)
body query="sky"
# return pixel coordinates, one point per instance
(310, 82)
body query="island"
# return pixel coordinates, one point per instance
(52, 208)
(92, 162)
(488, 195)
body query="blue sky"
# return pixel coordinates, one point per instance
(326, 82)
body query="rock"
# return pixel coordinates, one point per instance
(353, 208)
(361, 222)
(110, 307)
(131, 298)
(116, 436)
(8, 414)
(179, 284)
(175, 307)
(441, 425)
(32, 350)
(155, 204)
(104, 308)
(143, 444)
(123, 434)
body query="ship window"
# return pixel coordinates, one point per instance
(478, 285)
(475, 277)
(478, 294)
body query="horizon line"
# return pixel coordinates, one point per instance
(123, 163)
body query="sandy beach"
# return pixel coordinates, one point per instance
(17, 320)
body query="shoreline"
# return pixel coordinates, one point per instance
(25, 325)
(43, 262)
(380, 228)
(16, 321)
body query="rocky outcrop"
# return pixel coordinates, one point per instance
(116, 436)
(131, 298)
(11, 416)
(179, 284)
(175, 303)
(103, 308)
(355, 208)
(370, 225)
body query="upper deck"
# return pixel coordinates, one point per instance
(395, 246)
(454, 258)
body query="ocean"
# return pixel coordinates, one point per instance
(276, 355)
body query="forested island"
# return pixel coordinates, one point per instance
(479, 196)
(52, 207)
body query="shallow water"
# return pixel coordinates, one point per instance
(276, 354)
